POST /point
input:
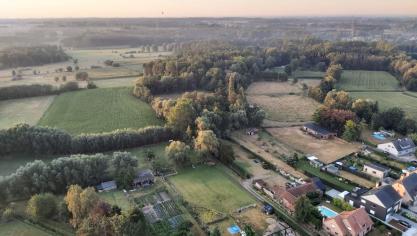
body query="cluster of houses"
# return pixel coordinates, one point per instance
(143, 178)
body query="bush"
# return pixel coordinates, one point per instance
(8, 214)
(91, 85)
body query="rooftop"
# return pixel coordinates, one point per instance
(377, 166)
(403, 144)
(386, 195)
(317, 128)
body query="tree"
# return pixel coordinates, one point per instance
(8, 214)
(80, 203)
(352, 131)
(334, 71)
(215, 232)
(226, 153)
(64, 78)
(181, 115)
(132, 223)
(178, 152)
(207, 143)
(338, 100)
(302, 209)
(82, 76)
(69, 68)
(248, 230)
(42, 206)
(56, 78)
(124, 166)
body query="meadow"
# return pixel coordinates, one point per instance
(391, 99)
(98, 110)
(308, 74)
(114, 83)
(19, 228)
(24, 110)
(360, 80)
(210, 187)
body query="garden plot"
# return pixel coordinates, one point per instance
(327, 151)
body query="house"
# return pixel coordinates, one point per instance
(376, 170)
(314, 161)
(348, 223)
(259, 184)
(144, 178)
(288, 197)
(317, 131)
(332, 169)
(107, 186)
(399, 147)
(381, 202)
(354, 197)
(406, 187)
(319, 184)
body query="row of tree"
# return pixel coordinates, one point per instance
(23, 138)
(33, 90)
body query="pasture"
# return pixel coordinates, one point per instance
(98, 110)
(211, 188)
(24, 110)
(360, 80)
(308, 74)
(114, 83)
(20, 228)
(391, 99)
(327, 151)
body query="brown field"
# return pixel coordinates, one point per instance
(286, 108)
(271, 155)
(309, 82)
(272, 88)
(357, 179)
(326, 150)
(253, 217)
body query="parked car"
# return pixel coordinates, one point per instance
(268, 209)
(405, 223)
(256, 161)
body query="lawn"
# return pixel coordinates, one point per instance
(114, 83)
(210, 187)
(391, 99)
(25, 110)
(305, 166)
(19, 228)
(360, 80)
(98, 110)
(116, 198)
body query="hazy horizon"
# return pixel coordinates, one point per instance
(204, 8)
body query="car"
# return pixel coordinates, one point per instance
(405, 223)
(256, 160)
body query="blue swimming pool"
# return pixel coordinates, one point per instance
(378, 136)
(327, 212)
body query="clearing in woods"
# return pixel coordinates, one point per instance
(99, 110)
(24, 110)
(327, 151)
(362, 80)
(405, 101)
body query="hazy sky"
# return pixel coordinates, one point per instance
(204, 8)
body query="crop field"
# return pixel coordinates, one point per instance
(360, 80)
(24, 110)
(308, 74)
(210, 187)
(98, 110)
(327, 151)
(286, 108)
(391, 99)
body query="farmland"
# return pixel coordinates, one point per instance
(391, 99)
(25, 110)
(326, 150)
(276, 97)
(98, 110)
(114, 83)
(308, 74)
(359, 80)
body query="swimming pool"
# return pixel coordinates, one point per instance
(378, 135)
(327, 212)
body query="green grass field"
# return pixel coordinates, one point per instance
(114, 83)
(25, 110)
(98, 110)
(18, 228)
(391, 99)
(116, 198)
(360, 80)
(9, 164)
(308, 74)
(210, 187)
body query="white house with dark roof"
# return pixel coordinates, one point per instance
(376, 170)
(399, 147)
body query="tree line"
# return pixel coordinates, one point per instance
(34, 90)
(31, 56)
(23, 138)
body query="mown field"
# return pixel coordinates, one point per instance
(308, 74)
(360, 80)
(18, 228)
(391, 99)
(25, 110)
(114, 83)
(210, 187)
(98, 110)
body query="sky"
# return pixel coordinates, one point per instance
(204, 8)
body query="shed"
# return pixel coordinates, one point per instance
(107, 186)
(144, 178)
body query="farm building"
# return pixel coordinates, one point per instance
(259, 184)
(399, 147)
(314, 161)
(106, 186)
(317, 131)
(376, 170)
(356, 222)
(144, 178)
